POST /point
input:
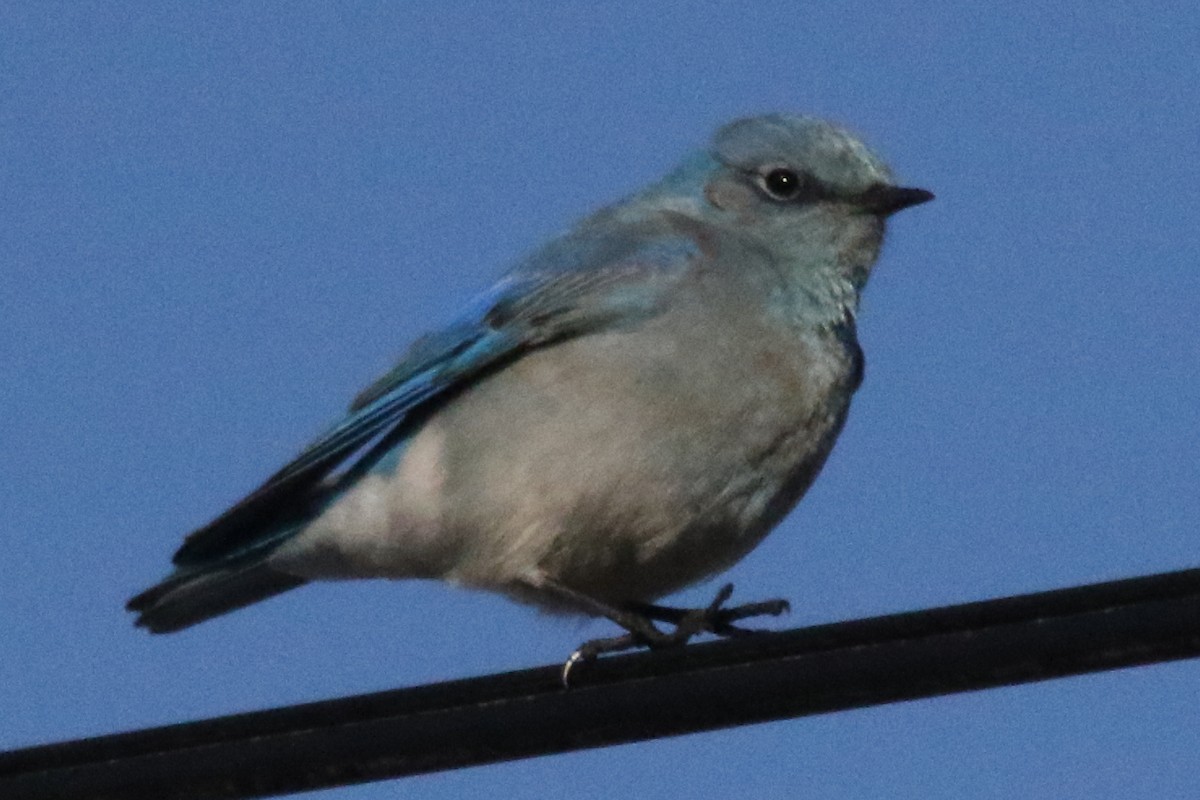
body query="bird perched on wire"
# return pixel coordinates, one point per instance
(628, 411)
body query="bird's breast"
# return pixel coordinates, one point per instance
(631, 462)
(626, 464)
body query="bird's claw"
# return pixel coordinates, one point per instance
(589, 651)
(713, 618)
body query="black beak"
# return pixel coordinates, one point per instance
(886, 200)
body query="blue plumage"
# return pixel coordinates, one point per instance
(628, 410)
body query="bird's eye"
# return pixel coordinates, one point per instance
(782, 184)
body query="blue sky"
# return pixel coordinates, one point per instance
(219, 221)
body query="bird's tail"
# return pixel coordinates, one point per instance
(191, 596)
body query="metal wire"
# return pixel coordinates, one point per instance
(628, 698)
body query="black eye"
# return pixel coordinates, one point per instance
(782, 184)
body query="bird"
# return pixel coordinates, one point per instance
(629, 410)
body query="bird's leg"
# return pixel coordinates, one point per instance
(637, 619)
(642, 631)
(714, 618)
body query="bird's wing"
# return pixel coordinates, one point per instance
(531, 308)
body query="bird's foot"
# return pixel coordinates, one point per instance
(637, 620)
(715, 618)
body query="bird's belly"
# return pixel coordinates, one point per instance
(613, 463)
(627, 471)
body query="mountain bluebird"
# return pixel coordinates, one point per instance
(628, 411)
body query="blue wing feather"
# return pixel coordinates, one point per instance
(532, 307)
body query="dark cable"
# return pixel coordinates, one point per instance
(628, 698)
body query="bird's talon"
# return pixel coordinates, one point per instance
(578, 657)
(723, 594)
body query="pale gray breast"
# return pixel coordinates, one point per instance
(632, 462)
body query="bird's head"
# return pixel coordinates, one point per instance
(808, 189)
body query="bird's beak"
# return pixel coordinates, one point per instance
(886, 200)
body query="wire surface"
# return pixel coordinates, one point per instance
(627, 698)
